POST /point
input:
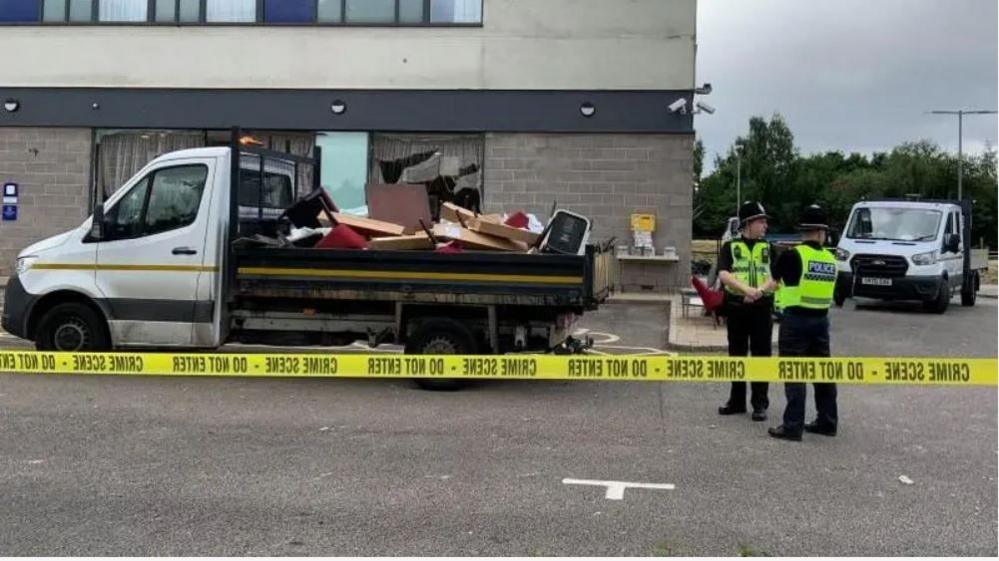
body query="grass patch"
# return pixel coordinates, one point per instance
(992, 274)
(747, 551)
(664, 548)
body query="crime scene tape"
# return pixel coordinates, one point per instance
(843, 370)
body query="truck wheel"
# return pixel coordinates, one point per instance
(441, 337)
(969, 290)
(939, 304)
(72, 327)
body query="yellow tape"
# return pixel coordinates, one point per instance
(889, 371)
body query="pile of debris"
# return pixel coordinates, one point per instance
(315, 222)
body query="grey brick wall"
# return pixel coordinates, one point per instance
(52, 169)
(605, 177)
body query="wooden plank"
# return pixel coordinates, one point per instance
(367, 226)
(415, 241)
(476, 240)
(503, 231)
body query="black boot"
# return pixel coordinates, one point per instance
(817, 428)
(730, 409)
(782, 434)
(759, 414)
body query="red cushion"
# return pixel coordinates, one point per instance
(517, 220)
(342, 237)
(453, 246)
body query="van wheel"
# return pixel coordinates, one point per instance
(72, 327)
(939, 304)
(441, 337)
(969, 290)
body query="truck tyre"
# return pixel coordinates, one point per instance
(441, 337)
(939, 304)
(969, 290)
(72, 327)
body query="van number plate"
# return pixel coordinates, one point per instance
(875, 281)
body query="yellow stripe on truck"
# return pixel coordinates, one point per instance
(406, 275)
(111, 267)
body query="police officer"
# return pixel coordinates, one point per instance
(744, 270)
(807, 277)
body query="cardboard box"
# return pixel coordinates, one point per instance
(475, 240)
(416, 241)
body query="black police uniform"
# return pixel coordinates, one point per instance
(804, 332)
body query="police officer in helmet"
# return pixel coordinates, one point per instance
(744, 270)
(807, 277)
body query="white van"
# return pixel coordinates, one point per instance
(909, 250)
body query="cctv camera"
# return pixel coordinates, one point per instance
(678, 106)
(705, 107)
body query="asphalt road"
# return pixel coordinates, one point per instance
(134, 466)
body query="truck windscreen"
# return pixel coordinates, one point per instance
(896, 224)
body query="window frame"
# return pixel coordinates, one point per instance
(150, 179)
(259, 22)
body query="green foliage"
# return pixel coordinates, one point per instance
(785, 182)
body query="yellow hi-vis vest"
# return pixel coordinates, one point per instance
(751, 267)
(818, 280)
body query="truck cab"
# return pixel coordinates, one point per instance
(908, 250)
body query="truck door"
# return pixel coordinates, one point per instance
(149, 263)
(952, 260)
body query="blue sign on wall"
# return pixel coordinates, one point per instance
(9, 213)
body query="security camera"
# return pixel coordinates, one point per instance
(678, 106)
(703, 90)
(705, 107)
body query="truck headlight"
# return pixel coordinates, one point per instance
(928, 258)
(842, 254)
(24, 263)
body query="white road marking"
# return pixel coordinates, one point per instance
(615, 489)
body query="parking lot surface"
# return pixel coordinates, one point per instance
(166, 466)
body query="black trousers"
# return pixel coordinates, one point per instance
(807, 336)
(750, 329)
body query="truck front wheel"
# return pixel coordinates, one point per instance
(441, 337)
(72, 327)
(939, 304)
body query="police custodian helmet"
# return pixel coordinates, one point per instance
(813, 218)
(751, 210)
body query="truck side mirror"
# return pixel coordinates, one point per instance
(97, 226)
(952, 243)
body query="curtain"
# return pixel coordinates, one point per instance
(122, 10)
(231, 10)
(299, 144)
(445, 164)
(122, 154)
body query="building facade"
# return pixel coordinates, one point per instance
(529, 101)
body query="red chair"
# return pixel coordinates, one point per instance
(712, 299)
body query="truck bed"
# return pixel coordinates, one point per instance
(480, 278)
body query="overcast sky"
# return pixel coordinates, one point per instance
(849, 75)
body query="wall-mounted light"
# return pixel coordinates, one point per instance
(95, 106)
(338, 107)
(587, 109)
(11, 105)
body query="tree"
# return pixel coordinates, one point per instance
(785, 182)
